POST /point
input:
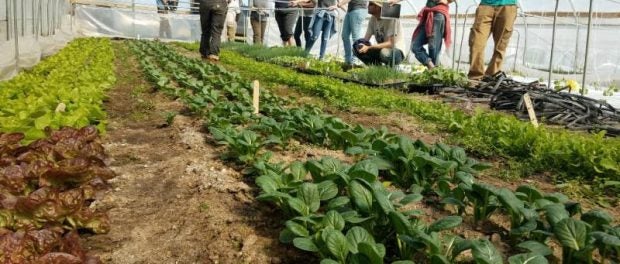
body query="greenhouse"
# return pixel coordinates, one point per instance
(125, 139)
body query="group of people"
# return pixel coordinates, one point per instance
(317, 21)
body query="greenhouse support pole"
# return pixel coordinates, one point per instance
(33, 16)
(458, 64)
(8, 25)
(525, 38)
(585, 64)
(15, 34)
(23, 13)
(48, 31)
(456, 18)
(555, 18)
(133, 17)
(514, 66)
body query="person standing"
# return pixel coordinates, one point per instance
(232, 16)
(434, 26)
(286, 18)
(352, 28)
(387, 32)
(323, 25)
(212, 17)
(494, 17)
(164, 23)
(258, 19)
(303, 22)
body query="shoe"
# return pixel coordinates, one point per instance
(430, 65)
(346, 67)
(473, 83)
(212, 57)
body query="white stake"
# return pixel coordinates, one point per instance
(256, 95)
(530, 109)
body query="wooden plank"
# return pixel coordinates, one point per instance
(256, 95)
(530, 109)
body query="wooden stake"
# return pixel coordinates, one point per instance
(530, 109)
(256, 95)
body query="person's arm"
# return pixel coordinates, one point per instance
(302, 3)
(386, 44)
(343, 4)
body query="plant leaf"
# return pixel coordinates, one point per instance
(571, 233)
(309, 194)
(306, 244)
(527, 258)
(334, 219)
(358, 234)
(368, 250)
(484, 252)
(445, 223)
(337, 244)
(297, 229)
(535, 247)
(362, 197)
(327, 190)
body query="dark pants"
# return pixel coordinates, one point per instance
(286, 20)
(212, 18)
(302, 27)
(383, 56)
(434, 42)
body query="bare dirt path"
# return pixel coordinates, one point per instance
(173, 200)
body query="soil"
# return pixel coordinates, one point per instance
(173, 200)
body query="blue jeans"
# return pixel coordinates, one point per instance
(434, 42)
(320, 25)
(352, 31)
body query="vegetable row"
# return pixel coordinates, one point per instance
(570, 155)
(46, 189)
(66, 89)
(344, 212)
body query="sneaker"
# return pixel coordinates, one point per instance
(346, 67)
(472, 83)
(213, 57)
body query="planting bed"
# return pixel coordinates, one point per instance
(187, 173)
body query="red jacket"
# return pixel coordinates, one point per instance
(426, 18)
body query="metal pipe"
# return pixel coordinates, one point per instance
(33, 15)
(23, 18)
(555, 18)
(585, 64)
(133, 20)
(525, 25)
(16, 35)
(47, 18)
(456, 17)
(8, 26)
(463, 36)
(514, 66)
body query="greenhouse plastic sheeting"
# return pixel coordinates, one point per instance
(29, 52)
(7, 60)
(97, 21)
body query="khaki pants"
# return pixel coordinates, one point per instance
(498, 20)
(258, 28)
(231, 26)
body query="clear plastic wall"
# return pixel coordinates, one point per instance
(38, 28)
(529, 53)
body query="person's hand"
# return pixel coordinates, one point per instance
(364, 48)
(393, 2)
(445, 2)
(331, 8)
